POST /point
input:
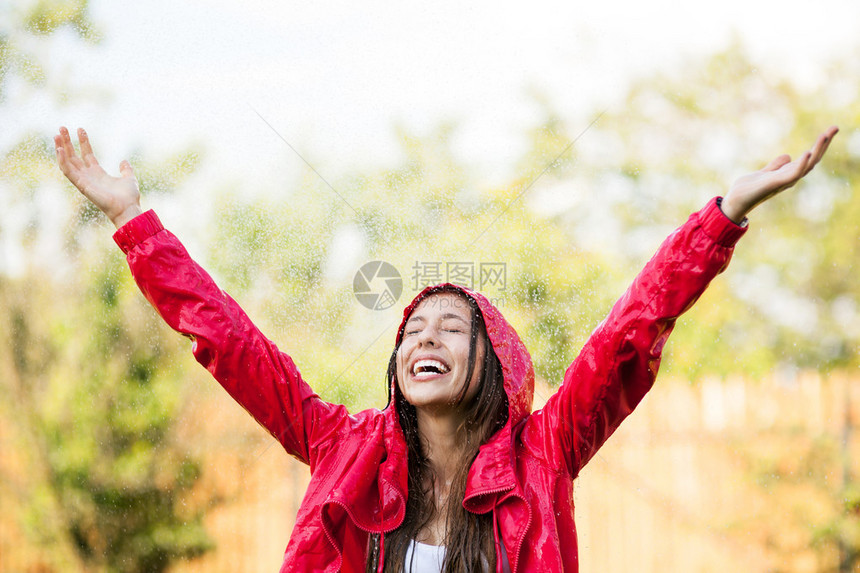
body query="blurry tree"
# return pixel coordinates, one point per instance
(810, 483)
(88, 381)
(273, 255)
(574, 227)
(571, 229)
(788, 299)
(93, 376)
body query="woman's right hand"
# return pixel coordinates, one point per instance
(117, 197)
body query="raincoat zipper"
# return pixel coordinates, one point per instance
(369, 532)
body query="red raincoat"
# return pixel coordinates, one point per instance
(524, 474)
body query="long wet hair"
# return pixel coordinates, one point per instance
(469, 540)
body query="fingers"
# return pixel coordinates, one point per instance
(777, 163)
(788, 173)
(64, 143)
(804, 164)
(125, 168)
(61, 154)
(66, 156)
(86, 149)
(820, 147)
(65, 151)
(798, 169)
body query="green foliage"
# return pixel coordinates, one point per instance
(679, 140)
(789, 297)
(45, 17)
(810, 474)
(89, 378)
(29, 163)
(96, 375)
(166, 175)
(272, 255)
(38, 18)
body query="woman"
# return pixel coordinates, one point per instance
(457, 473)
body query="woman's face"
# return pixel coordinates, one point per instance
(433, 358)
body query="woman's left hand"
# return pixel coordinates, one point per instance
(780, 174)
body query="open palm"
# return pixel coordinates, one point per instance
(777, 176)
(117, 197)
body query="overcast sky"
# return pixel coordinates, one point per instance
(333, 78)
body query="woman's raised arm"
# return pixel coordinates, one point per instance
(619, 362)
(264, 380)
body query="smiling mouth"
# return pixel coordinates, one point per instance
(428, 368)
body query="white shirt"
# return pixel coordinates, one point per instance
(424, 558)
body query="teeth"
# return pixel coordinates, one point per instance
(423, 366)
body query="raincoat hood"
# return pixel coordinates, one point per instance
(492, 473)
(512, 354)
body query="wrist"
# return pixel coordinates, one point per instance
(127, 215)
(735, 214)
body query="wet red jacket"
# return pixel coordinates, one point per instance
(523, 475)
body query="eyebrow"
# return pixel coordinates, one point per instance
(446, 316)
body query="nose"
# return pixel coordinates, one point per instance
(428, 337)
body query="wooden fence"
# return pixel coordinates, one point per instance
(726, 475)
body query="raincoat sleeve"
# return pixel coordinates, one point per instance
(250, 367)
(619, 362)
